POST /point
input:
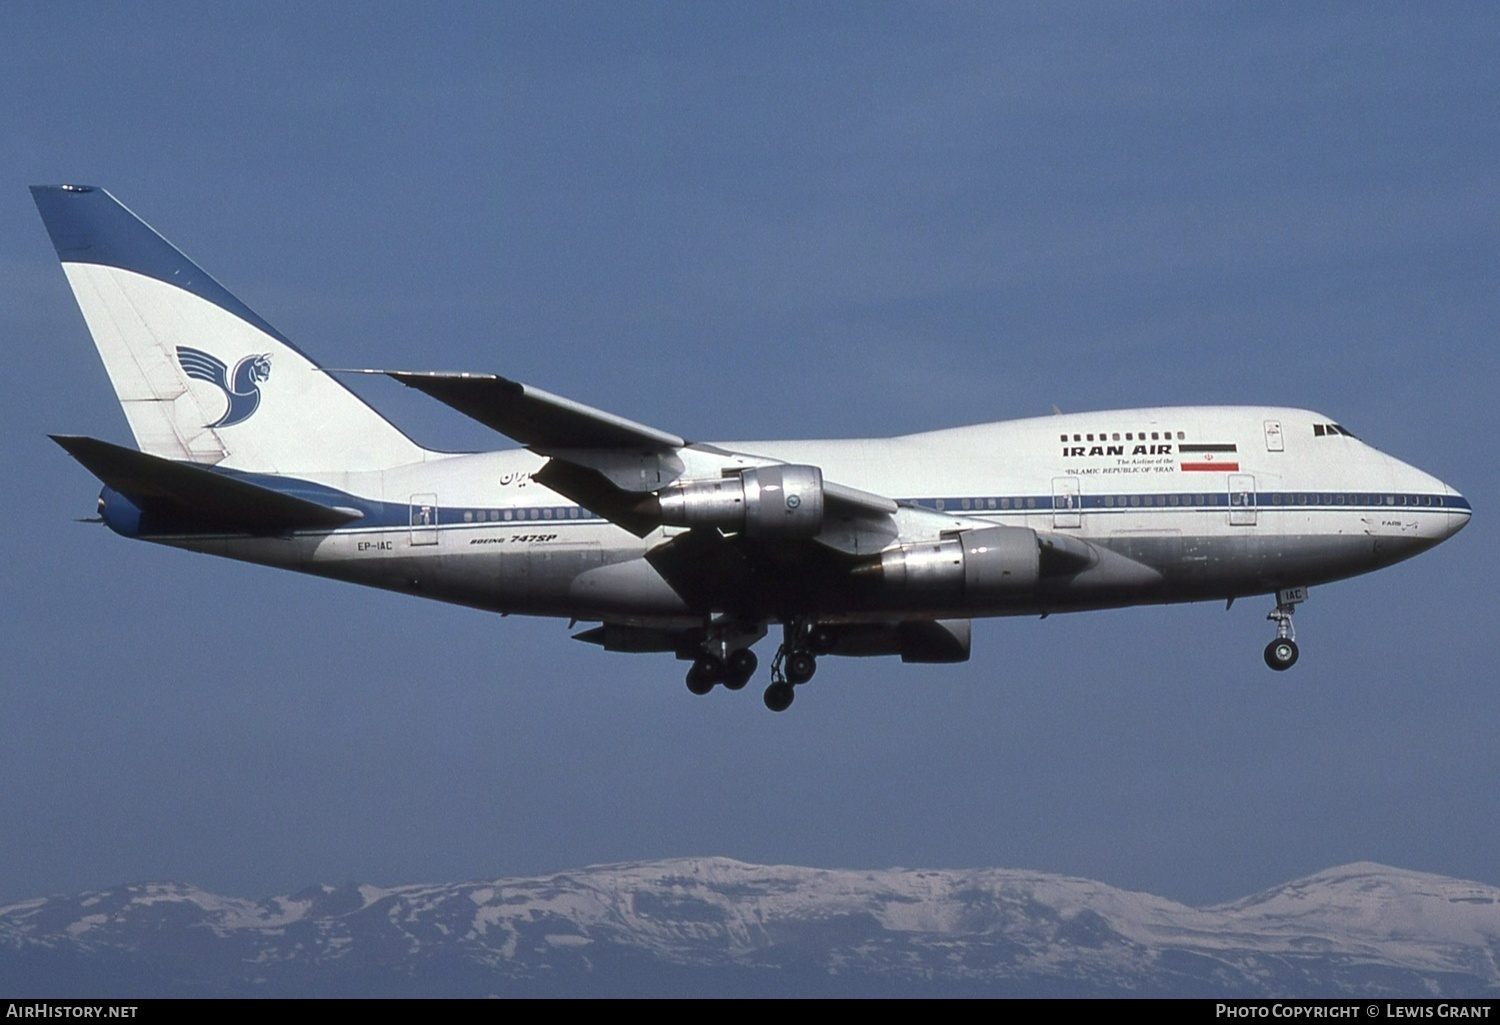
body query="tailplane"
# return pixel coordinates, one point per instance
(200, 375)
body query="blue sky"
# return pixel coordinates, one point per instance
(767, 220)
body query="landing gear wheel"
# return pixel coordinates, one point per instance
(1281, 654)
(742, 665)
(707, 670)
(800, 666)
(779, 697)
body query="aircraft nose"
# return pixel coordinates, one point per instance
(1459, 511)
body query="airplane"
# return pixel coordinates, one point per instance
(249, 449)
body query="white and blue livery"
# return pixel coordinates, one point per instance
(246, 448)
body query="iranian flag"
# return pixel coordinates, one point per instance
(1209, 458)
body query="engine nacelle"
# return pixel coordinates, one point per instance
(766, 501)
(974, 563)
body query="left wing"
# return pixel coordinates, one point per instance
(537, 419)
(642, 478)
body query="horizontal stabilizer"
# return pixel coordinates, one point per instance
(537, 419)
(189, 490)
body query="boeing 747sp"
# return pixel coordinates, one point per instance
(248, 449)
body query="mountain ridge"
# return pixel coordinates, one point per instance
(717, 925)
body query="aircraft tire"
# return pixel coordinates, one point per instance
(1281, 655)
(779, 697)
(742, 665)
(707, 670)
(800, 666)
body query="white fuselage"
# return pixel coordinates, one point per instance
(1203, 502)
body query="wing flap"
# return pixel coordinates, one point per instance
(217, 498)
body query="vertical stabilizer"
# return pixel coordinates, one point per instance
(200, 375)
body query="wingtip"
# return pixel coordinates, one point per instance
(66, 187)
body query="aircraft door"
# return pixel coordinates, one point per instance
(1067, 503)
(424, 520)
(1242, 500)
(1274, 440)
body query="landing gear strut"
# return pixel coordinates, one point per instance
(725, 658)
(1281, 654)
(793, 665)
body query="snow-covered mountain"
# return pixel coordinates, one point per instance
(716, 926)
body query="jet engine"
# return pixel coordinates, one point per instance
(972, 563)
(766, 501)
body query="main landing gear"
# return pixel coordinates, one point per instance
(733, 672)
(725, 657)
(794, 664)
(1281, 654)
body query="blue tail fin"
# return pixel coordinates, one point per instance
(200, 375)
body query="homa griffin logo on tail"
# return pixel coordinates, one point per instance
(243, 392)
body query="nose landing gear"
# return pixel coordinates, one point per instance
(1281, 654)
